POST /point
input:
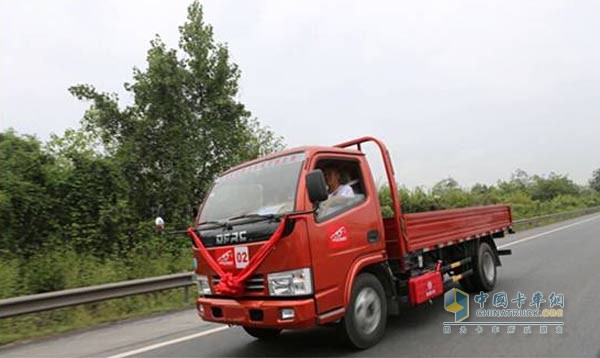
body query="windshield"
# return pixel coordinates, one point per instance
(264, 188)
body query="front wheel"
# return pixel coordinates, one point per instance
(262, 333)
(366, 316)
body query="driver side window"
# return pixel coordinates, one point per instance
(345, 185)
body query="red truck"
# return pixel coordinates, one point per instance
(275, 248)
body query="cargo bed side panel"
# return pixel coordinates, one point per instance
(443, 227)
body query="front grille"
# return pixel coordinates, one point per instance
(256, 283)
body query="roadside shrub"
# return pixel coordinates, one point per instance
(9, 277)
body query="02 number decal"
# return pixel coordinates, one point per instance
(242, 256)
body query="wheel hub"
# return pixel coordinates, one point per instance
(488, 266)
(367, 310)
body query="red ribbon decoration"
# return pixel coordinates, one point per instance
(229, 284)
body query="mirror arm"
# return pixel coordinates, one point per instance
(311, 211)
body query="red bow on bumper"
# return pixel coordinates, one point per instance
(233, 285)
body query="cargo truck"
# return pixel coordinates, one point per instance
(275, 248)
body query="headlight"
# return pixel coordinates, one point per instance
(290, 283)
(203, 285)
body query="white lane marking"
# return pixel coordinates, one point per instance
(167, 343)
(219, 329)
(547, 232)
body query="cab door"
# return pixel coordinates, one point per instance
(341, 233)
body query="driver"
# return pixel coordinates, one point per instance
(334, 185)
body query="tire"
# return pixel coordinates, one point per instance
(467, 285)
(366, 315)
(263, 334)
(484, 270)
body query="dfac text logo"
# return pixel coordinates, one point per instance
(457, 302)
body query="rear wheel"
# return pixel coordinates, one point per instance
(366, 316)
(484, 270)
(262, 333)
(467, 285)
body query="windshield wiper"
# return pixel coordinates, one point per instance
(253, 216)
(227, 222)
(213, 222)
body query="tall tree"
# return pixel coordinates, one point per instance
(185, 125)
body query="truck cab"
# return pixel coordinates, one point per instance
(319, 246)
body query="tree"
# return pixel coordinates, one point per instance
(94, 212)
(444, 186)
(26, 207)
(546, 189)
(595, 181)
(519, 181)
(480, 189)
(185, 125)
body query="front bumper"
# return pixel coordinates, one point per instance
(257, 313)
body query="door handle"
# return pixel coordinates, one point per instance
(372, 236)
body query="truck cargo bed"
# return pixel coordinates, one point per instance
(432, 229)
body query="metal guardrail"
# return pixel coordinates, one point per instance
(52, 300)
(566, 214)
(58, 299)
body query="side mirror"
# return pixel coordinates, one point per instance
(159, 224)
(316, 186)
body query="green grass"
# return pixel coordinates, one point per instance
(57, 269)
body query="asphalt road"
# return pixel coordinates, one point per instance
(562, 258)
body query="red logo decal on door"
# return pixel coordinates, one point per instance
(338, 236)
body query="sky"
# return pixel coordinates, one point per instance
(467, 89)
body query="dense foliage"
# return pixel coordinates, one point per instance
(528, 195)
